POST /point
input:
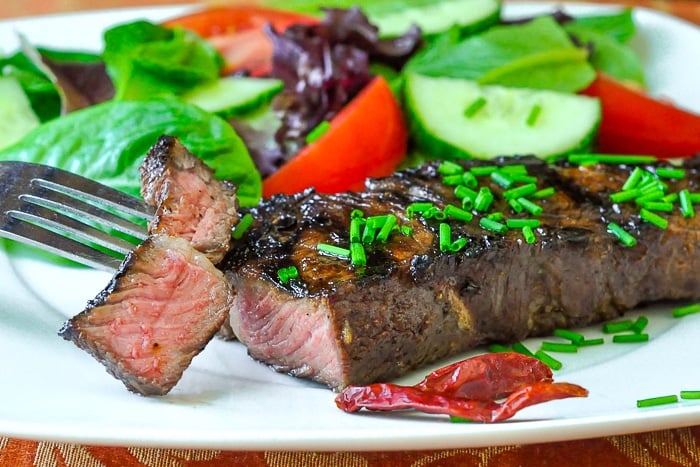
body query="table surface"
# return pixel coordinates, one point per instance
(673, 447)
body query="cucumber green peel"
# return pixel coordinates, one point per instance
(436, 106)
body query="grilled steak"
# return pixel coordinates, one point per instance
(190, 202)
(159, 311)
(413, 303)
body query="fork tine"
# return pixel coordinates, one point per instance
(52, 242)
(53, 220)
(84, 211)
(74, 185)
(69, 215)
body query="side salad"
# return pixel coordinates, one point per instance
(281, 96)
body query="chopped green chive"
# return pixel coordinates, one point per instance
(356, 224)
(458, 244)
(357, 254)
(533, 115)
(468, 179)
(435, 213)
(406, 230)
(502, 179)
(493, 226)
(333, 250)
(652, 184)
(690, 394)
(533, 208)
(318, 131)
(528, 235)
(520, 223)
(387, 228)
(456, 419)
(522, 349)
(521, 191)
(670, 198)
(634, 178)
(686, 310)
(658, 206)
(483, 170)
(548, 360)
(287, 274)
(458, 213)
(368, 233)
(450, 168)
(356, 214)
(621, 234)
(653, 195)
(417, 208)
(589, 342)
(630, 338)
(574, 337)
(668, 172)
(654, 401)
(695, 197)
(523, 178)
(559, 347)
(653, 219)
(611, 159)
(474, 107)
(495, 216)
(513, 169)
(543, 193)
(242, 227)
(640, 324)
(376, 222)
(445, 236)
(452, 180)
(515, 206)
(687, 208)
(618, 326)
(483, 199)
(499, 348)
(625, 195)
(462, 192)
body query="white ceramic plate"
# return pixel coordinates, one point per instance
(50, 390)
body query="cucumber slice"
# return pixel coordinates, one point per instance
(511, 121)
(433, 16)
(16, 115)
(234, 95)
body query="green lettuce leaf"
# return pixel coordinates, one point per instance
(538, 54)
(608, 36)
(108, 142)
(146, 60)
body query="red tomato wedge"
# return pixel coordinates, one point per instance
(237, 33)
(367, 138)
(635, 123)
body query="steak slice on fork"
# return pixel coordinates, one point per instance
(160, 309)
(190, 202)
(167, 300)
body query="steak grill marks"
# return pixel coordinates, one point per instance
(414, 304)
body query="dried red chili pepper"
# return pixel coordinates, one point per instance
(467, 389)
(486, 377)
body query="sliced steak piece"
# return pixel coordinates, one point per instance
(159, 311)
(413, 304)
(190, 202)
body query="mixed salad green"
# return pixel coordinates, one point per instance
(250, 115)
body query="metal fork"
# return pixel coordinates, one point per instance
(69, 215)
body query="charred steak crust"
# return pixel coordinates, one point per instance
(415, 304)
(158, 312)
(190, 202)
